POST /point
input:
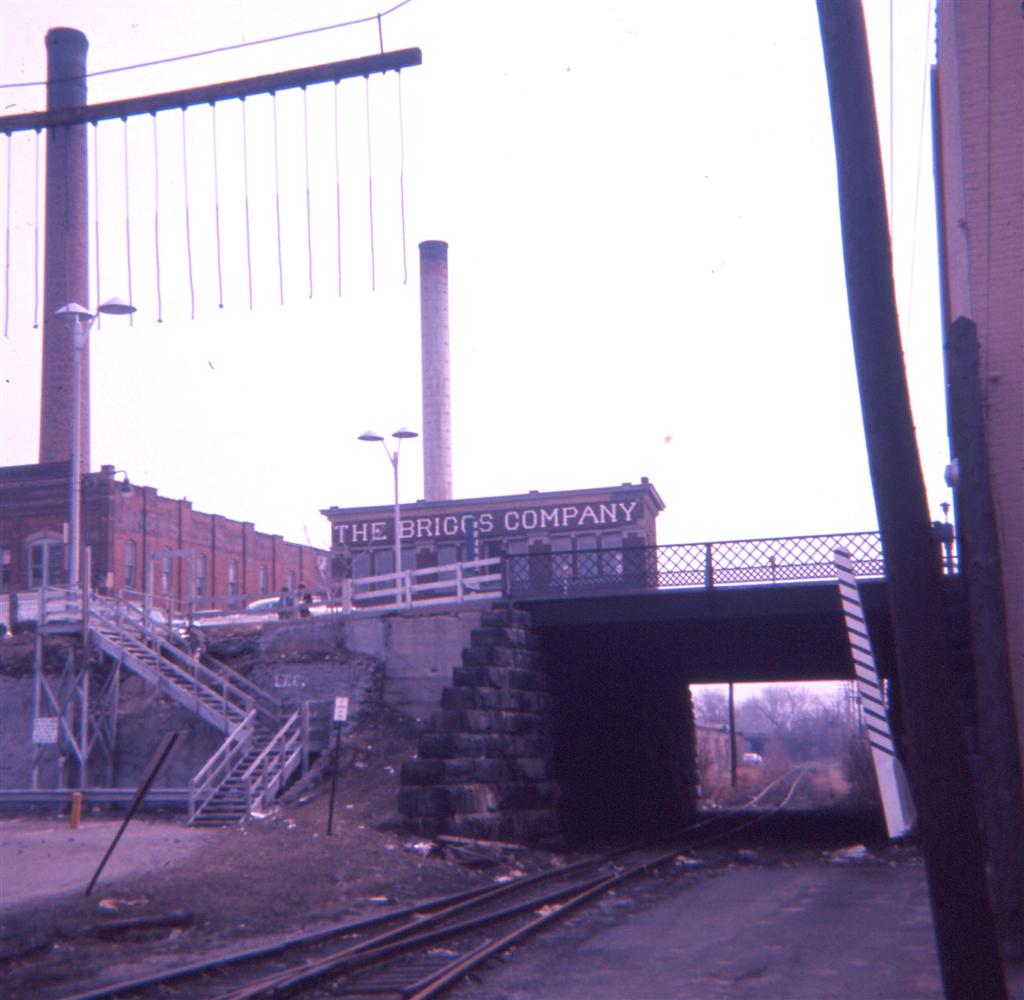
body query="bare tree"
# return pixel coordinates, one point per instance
(783, 705)
(711, 707)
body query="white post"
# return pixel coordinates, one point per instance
(398, 529)
(78, 336)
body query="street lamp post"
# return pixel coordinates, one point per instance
(81, 325)
(401, 434)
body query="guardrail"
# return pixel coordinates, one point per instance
(235, 692)
(267, 775)
(703, 565)
(738, 562)
(211, 776)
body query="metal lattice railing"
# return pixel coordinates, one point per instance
(693, 564)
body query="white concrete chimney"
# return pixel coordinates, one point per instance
(437, 397)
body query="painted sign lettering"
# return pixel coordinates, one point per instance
(514, 521)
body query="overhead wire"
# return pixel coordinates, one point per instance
(214, 51)
(188, 225)
(7, 245)
(337, 180)
(277, 201)
(128, 218)
(369, 177)
(401, 181)
(96, 213)
(309, 214)
(35, 236)
(245, 170)
(156, 221)
(216, 204)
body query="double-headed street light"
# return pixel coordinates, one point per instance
(81, 325)
(401, 434)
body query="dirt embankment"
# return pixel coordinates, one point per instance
(225, 887)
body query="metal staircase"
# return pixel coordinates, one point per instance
(259, 755)
(246, 774)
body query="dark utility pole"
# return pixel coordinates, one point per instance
(943, 790)
(981, 565)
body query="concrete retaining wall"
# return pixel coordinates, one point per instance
(402, 661)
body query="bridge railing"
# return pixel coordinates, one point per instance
(703, 565)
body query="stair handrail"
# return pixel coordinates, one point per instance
(186, 668)
(269, 706)
(211, 775)
(268, 772)
(265, 703)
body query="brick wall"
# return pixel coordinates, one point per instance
(34, 500)
(981, 97)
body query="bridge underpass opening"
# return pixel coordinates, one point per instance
(625, 740)
(623, 745)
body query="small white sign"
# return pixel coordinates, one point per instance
(44, 729)
(340, 709)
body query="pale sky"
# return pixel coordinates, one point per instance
(645, 262)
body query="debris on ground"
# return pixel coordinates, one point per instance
(849, 855)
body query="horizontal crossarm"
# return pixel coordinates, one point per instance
(269, 83)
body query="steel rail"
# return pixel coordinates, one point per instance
(401, 940)
(422, 929)
(276, 947)
(446, 905)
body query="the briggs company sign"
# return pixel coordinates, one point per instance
(499, 522)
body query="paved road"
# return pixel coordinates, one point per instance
(41, 859)
(813, 931)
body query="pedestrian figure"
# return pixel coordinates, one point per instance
(305, 600)
(286, 606)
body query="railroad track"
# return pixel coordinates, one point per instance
(417, 952)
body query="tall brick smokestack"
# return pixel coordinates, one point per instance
(437, 399)
(66, 248)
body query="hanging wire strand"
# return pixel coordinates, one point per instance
(213, 52)
(245, 170)
(35, 237)
(96, 211)
(277, 202)
(401, 181)
(216, 206)
(128, 219)
(68, 293)
(7, 244)
(369, 177)
(337, 180)
(156, 222)
(309, 214)
(188, 222)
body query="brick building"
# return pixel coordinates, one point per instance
(139, 537)
(979, 104)
(585, 533)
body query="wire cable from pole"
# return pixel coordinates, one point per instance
(245, 170)
(369, 175)
(216, 204)
(188, 224)
(277, 201)
(156, 221)
(128, 218)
